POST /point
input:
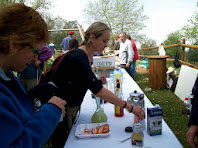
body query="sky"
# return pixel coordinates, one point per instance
(165, 16)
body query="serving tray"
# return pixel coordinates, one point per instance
(92, 130)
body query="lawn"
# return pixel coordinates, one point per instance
(172, 108)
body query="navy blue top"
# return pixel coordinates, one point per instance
(194, 111)
(74, 76)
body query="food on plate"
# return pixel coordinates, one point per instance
(97, 130)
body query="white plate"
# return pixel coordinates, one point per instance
(80, 130)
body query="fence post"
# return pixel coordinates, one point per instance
(149, 51)
(183, 50)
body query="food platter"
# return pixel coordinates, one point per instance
(92, 130)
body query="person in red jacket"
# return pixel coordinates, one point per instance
(136, 56)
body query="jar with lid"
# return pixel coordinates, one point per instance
(137, 137)
(136, 98)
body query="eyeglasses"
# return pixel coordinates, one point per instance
(36, 52)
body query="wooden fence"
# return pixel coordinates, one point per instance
(183, 45)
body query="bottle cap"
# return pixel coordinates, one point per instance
(186, 98)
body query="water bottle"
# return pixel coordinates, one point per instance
(118, 75)
(121, 75)
(112, 76)
(187, 106)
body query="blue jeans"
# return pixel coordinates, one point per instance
(132, 68)
(129, 70)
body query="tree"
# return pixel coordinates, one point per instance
(173, 38)
(124, 15)
(192, 55)
(42, 6)
(191, 29)
(5, 2)
(36, 4)
(148, 43)
(60, 23)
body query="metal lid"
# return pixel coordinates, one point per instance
(135, 94)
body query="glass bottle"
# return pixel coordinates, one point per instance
(119, 111)
(137, 137)
(99, 116)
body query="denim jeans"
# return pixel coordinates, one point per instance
(133, 71)
(129, 70)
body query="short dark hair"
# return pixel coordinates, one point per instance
(128, 36)
(73, 43)
(123, 33)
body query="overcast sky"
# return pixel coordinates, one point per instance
(165, 16)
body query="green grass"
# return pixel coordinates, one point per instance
(172, 108)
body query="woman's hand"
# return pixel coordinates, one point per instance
(103, 79)
(139, 112)
(36, 63)
(58, 102)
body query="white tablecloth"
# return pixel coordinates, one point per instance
(118, 124)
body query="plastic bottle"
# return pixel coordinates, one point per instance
(112, 76)
(190, 97)
(117, 75)
(109, 85)
(112, 81)
(187, 102)
(119, 111)
(187, 106)
(121, 75)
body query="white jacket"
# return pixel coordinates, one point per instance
(126, 53)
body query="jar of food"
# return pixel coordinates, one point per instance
(137, 137)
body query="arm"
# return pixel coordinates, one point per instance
(112, 98)
(20, 129)
(193, 122)
(191, 134)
